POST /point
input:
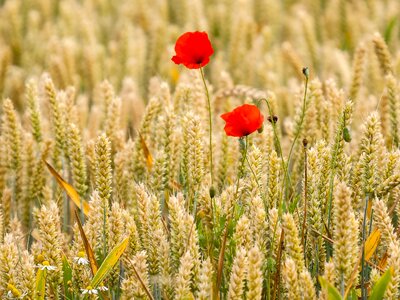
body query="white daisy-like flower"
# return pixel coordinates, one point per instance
(81, 258)
(46, 266)
(102, 288)
(90, 291)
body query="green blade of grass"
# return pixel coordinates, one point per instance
(109, 262)
(40, 286)
(379, 288)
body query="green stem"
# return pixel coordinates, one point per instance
(278, 144)
(210, 124)
(303, 113)
(228, 220)
(303, 231)
(331, 183)
(363, 267)
(241, 170)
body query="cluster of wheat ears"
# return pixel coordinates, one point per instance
(104, 151)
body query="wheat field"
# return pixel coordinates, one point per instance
(114, 186)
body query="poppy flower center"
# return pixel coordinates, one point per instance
(198, 60)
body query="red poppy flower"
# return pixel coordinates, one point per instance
(243, 120)
(193, 50)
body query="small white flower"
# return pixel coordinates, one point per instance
(46, 266)
(81, 259)
(90, 291)
(102, 288)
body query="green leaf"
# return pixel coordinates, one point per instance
(109, 262)
(389, 29)
(293, 205)
(379, 288)
(40, 284)
(333, 293)
(67, 277)
(352, 295)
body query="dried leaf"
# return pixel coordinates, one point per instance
(372, 243)
(383, 262)
(88, 248)
(146, 151)
(72, 193)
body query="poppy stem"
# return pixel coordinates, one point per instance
(231, 216)
(210, 126)
(363, 267)
(278, 145)
(303, 113)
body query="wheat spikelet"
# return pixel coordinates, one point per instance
(391, 243)
(371, 145)
(392, 88)
(183, 276)
(383, 54)
(131, 285)
(205, 280)
(57, 121)
(306, 284)
(12, 134)
(242, 234)
(292, 241)
(138, 161)
(77, 159)
(254, 275)
(238, 275)
(25, 274)
(103, 172)
(8, 260)
(34, 113)
(358, 72)
(291, 279)
(49, 226)
(345, 234)
(258, 222)
(178, 231)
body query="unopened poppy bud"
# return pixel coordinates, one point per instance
(261, 129)
(305, 143)
(272, 119)
(212, 192)
(306, 72)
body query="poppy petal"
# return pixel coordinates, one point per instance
(243, 120)
(193, 50)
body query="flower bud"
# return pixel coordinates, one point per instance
(212, 192)
(272, 119)
(306, 72)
